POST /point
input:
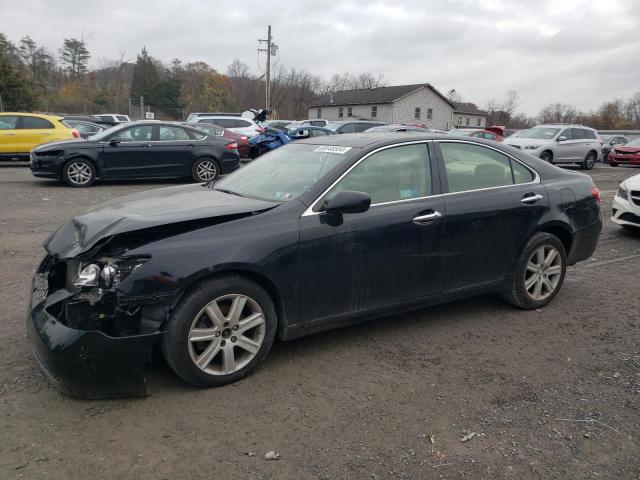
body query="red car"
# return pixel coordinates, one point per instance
(628, 154)
(488, 134)
(211, 129)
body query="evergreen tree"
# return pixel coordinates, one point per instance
(75, 55)
(16, 90)
(146, 78)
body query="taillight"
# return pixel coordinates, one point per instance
(75, 133)
(595, 193)
(231, 146)
(261, 130)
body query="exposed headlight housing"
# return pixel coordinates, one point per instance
(623, 192)
(532, 147)
(89, 276)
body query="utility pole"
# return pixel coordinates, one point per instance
(271, 49)
(141, 108)
(1, 104)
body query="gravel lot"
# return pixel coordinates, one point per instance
(550, 394)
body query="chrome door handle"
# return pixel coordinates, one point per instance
(12, 134)
(532, 198)
(427, 218)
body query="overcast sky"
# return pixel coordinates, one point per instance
(572, 51)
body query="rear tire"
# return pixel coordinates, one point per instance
(539, 272)
(205, 169)
(614, 164)
(589, 161)
(79, 173)
(209, 342)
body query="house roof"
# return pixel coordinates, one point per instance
(467, 107)
(364, 96)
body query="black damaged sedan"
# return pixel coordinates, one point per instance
(308, 237)
(137, 150)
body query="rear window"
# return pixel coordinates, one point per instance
(122, 118)
(223, 122)
(33, 123)
(243, 123)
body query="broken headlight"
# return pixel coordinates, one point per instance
(108, 274)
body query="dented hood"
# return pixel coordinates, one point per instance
(148, 209)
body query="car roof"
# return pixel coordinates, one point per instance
(39, 115)
(230, 117)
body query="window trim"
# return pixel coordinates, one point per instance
(310, 212)
(536, 176)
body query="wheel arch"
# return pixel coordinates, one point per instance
(81, 156)
(560, 230)
(262, 280)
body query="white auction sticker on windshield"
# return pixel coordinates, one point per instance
(332, 149)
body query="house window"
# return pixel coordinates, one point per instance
(341, 112)
(319, 113)
(467, 121)
(459, 120)
(429, 113)
(374, 112)
(349, 112)
(479, 121)
(416, 115)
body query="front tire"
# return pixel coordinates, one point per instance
(589, 161)
(205, 170)
(547, 156)
(220, 331)
(539, 272)
(79, 173)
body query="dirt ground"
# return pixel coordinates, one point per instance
(550, 394)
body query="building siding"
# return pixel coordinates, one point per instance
(460, 120)
(400, 111)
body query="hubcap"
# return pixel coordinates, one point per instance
(543, 272)
(206, 170)
(79, 173)
(226, 334)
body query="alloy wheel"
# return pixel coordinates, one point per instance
(543, 272)
(591, 161)
(226, 334)
(206, 170)
(79, 173)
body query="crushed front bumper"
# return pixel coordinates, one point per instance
(87, 364)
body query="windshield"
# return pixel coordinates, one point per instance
(519, 133)
(540, 133)
(334, 125)
(633, 143)
(285, 173)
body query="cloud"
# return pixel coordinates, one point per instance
(575, 51)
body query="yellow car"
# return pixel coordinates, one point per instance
(20, 132)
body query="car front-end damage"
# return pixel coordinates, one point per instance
(98, 301)
(91, 339)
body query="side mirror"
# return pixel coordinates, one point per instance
(348, 201)
(561, 138)
(114, 142)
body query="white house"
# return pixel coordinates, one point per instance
(419, 103)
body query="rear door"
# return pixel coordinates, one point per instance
(33, 131)
(8, 134)
(491, 206)
(131, 156)
(172, 152)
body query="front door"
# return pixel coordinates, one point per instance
(491, 205)
(127, 153)
(389, 254)
(567, 150)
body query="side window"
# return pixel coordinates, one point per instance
(490, 136)
(472, 167)
(398, 173)
(591, 134)
(173, 133)
(348, 128)
(8, 122)
(242, 123)
(361, 127)
(196, 136)
(521, 174)
(35, 123)
(223, 122)
(141, 133)
(566, 133)
(578, 134)
(318, 133)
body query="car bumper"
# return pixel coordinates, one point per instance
(625, 212)
(624, 159)
(585, 242)
(46, 166)
(86, 364)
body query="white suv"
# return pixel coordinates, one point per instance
(560, 143)
(240, 125)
